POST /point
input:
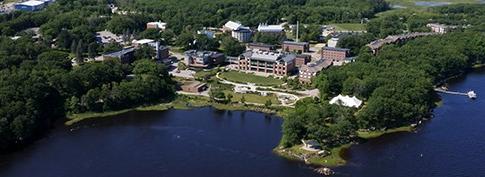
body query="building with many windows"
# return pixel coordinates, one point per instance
(310, 70)
(281, 64)
(336, 55)
(203, 59)
(238, 31)
(297, 47)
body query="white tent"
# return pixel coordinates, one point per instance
(346, 101)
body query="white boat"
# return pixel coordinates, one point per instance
(472, 94)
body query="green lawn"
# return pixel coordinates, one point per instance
(349, 26)
(241, 77)
(411, 3)
(333, 160)
(375, 134)
(252, 98)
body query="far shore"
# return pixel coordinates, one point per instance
(182, 103)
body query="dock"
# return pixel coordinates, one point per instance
(470, 94)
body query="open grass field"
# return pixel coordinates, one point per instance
(428, 3)
(349, 26)
(252, 98)
(241, 77)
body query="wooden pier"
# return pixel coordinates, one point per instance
(470, 94)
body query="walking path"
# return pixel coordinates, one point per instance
(278, 92)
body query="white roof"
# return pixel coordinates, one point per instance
(346, 101)
(144, 41)
(232, 25)
(32, 3)
(270, 28)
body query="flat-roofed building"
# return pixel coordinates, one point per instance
(203, 59)
(260, 46)
(310, 70)
(31, 6)
(242, 34)
(297, 47)
(157, 25)
(106, 37)
(271, 29)
(125, 55)
(194, 87)
(281, 64)
(302, 59)
(335, 54)
(238, 31)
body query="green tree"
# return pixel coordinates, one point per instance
(231, 46)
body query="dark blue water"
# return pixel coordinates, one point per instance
(206, 142)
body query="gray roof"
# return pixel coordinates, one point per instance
(119, 54)
(295, 43)
(336, 49)
(269, 56)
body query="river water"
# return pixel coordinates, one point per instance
(208, 142)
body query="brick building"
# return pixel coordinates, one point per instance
(297, 47)
(302, 59)
(203, 59)
(260, 46)
(194, 87)
(335, 54)
(267, 62)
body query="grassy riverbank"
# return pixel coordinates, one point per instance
(333, 159)
(378, 133)
(182, 102)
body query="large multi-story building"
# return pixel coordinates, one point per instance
(310, 70)
(260, 46)
(203, 59)
(297, 47)
(335, 54)
(238, 31)
(281, 64)
(302, 59)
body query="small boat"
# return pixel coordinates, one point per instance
(325, 171)
(471, 95)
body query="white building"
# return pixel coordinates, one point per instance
(346, 101)
(231, 26)
(157, 25)
(332, 42)
(242, 34)
(238, 31)
(264, 28)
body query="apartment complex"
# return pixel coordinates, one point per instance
(281, 64)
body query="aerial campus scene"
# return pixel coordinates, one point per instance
(209, 88)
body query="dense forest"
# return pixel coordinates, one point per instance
(396, 85)
(39, 84)
(180, 14)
